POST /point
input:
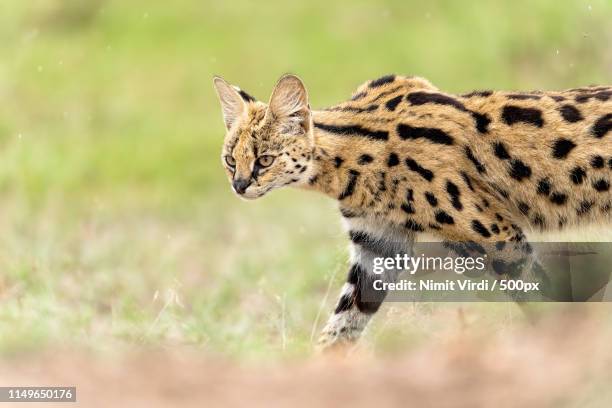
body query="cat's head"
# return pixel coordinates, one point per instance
(267, 145)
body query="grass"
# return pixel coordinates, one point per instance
(119, 228)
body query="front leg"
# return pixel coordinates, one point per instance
(351, 314)
(359, 300)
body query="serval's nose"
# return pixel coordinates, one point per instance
(240, 185)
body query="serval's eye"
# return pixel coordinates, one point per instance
(230, 161)
(265, 160)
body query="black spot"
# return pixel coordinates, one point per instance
(467, 180)
(369, 108)
(479, 208)
(499, 217)
(601, 185)
(558, 198)
(313, 179)
(610, 162)
(577, 175)
(482, 121)
(432, 134)
(414, 226)
(443, 218)
(408, 208)
(486, 203)
(394, 183)
(519, 170)
(431, 199)
(375, 298)
(475, 247)
(434, 227)
(354, 130)
(421, 98)
(523, 207)
(500, 151)
(358, 96)
(346, 213)
(338, 161)
(570, 113)
(513, 114)
(454, 193)
(562, 147)
(597, 162)
(558, 98)
(245, 96)
(369, 242)
(495, 228)
(387, 79)
(499, 266)
(544, 187)
(393, 160)
(365, 159)
(584, 208)
(539, 220)
(500, 245)
(355, 274)
(422, 171)
(365, 296)
(479, 166)
(349, 189)
(410, 195)
(522, 97)
(385, 93)
(602, 96)
(480, 94)
(602, 126)
(344, 304)
(393, 102)
(481, 229)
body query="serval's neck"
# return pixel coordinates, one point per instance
(337, 152)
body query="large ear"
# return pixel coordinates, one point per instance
(232, 104)
(289, 103)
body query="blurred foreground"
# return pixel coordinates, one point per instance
(565, 362)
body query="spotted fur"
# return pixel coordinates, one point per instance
(402, 158)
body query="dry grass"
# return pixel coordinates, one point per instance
(565, 361)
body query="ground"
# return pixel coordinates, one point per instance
(550, 366)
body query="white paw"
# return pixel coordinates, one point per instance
(342, 330)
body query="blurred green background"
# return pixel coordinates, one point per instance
(119, 229)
